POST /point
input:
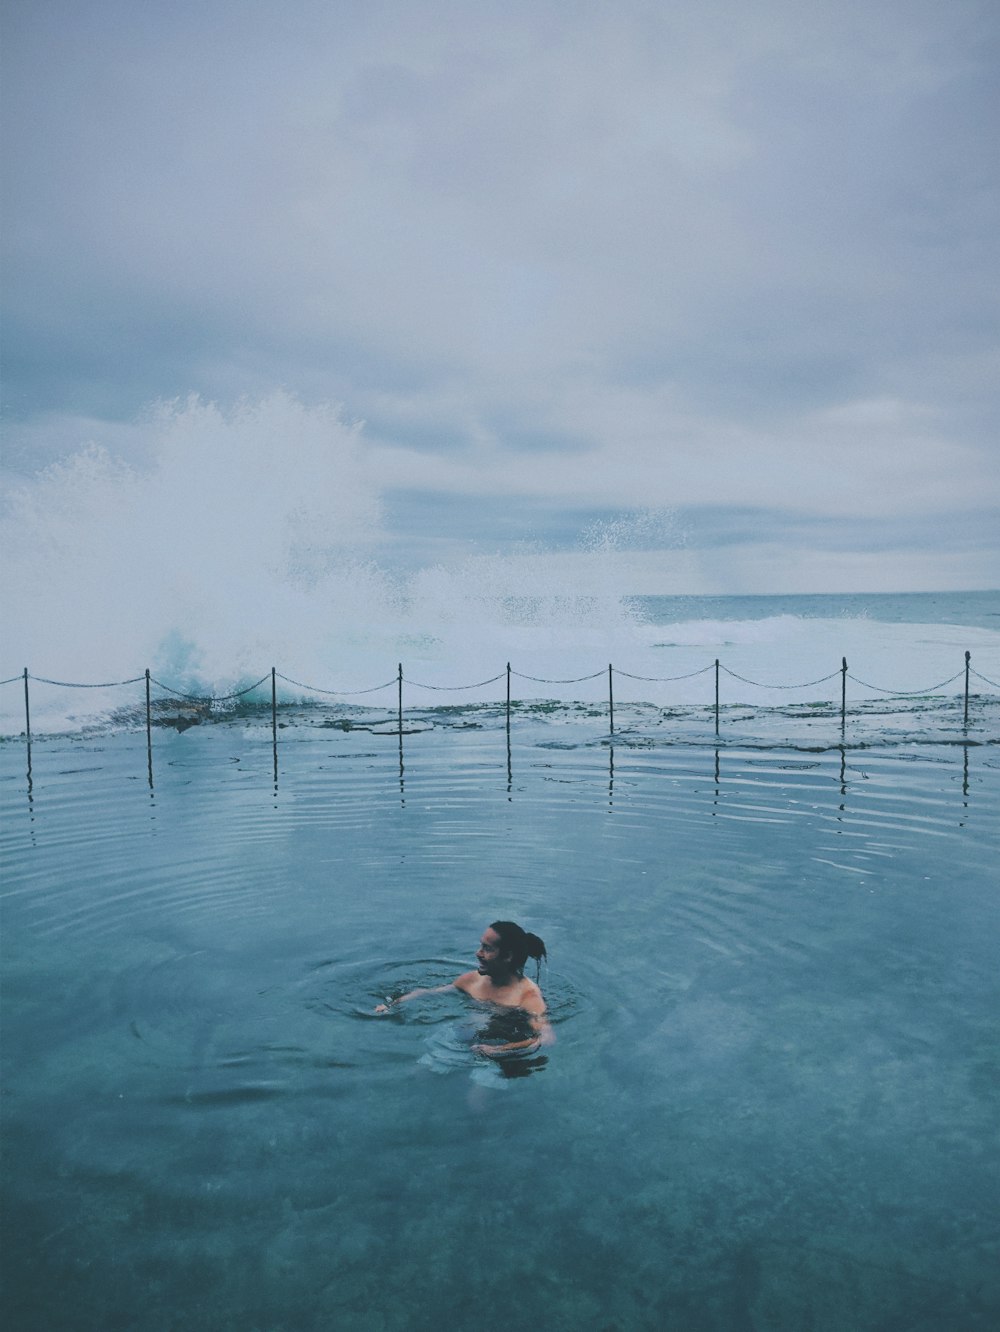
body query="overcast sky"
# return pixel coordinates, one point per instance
(732, 267)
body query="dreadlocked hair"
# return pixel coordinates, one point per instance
(519, 944)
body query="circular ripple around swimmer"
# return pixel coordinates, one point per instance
(353, 990)
(202, 1033)
(171, 1006)
(111, 901)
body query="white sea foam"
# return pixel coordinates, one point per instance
(244, 540)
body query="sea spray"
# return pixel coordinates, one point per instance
(231, 541)
(241, 540)
(237, 541)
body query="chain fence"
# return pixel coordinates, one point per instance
(208, 701)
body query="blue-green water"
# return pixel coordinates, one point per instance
(772, 1099)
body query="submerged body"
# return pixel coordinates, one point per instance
(499, 981)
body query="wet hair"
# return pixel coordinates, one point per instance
(520, 944)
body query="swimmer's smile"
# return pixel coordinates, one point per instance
(487, 953)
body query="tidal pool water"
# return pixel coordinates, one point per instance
(771, 1104)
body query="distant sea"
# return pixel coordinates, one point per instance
(452, 642)
(980, 610)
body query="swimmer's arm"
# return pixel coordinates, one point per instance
(414, 994)
(544, 1035)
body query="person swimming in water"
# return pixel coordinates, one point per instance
(499, 980)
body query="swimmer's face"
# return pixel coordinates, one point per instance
(488, 954)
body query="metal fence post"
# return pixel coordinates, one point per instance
(274, 725)
(27, 709)
(611, 699)
(843, 693)
(149, 713)
(717, 696)
(149, 734)
(967, 658)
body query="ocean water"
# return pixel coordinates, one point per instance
(773, 652)
(771, 1102)
(197, 558)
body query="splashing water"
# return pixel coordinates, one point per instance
(258, 537)
(249, 539)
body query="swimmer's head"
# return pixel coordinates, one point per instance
(518, 945)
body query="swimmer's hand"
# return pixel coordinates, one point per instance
(497, 1051)
(413, 994)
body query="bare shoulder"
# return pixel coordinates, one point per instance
(465, 981)
(531, 998)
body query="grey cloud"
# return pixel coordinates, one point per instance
(490, 229)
